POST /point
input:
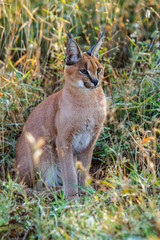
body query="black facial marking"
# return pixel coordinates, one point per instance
(87, 85)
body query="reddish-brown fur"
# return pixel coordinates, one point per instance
(68, 123)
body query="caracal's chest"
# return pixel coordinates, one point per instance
(84, 135)
(84, 118)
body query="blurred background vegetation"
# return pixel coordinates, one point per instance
(32, 47)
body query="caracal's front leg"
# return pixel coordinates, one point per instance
(85, 157)
(69, 172)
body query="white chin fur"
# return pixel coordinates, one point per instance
(78, 83)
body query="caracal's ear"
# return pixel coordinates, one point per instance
(94, 50)
(73, 52)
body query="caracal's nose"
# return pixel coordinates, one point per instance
(94, 81)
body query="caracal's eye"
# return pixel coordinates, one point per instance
(99, 70)
(83, 71)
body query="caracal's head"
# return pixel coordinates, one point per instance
(83, 70)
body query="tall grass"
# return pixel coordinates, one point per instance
(124, 183)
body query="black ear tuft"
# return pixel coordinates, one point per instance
(69, 35)
(94, 50)
(73, 52)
